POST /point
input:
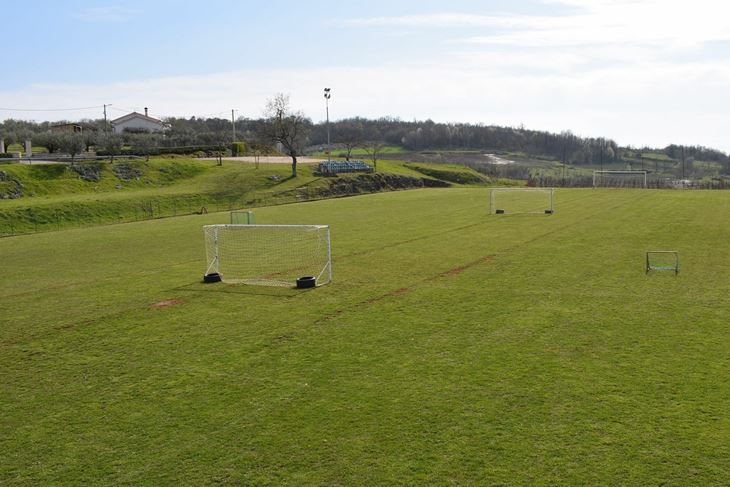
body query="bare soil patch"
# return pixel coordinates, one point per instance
(166, 303)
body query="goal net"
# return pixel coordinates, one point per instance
(619, 179)
(662, 260)
(513, 201)
(242, 217)
(268, 255)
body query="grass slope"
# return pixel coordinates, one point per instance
(452, 348)
(56, 197)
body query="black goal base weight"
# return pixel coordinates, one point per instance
(549, 212)
(306, 282)
(499, 212)
(212, 277)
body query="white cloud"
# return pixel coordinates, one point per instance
(590, 22)
(444, 19)
(106, 14)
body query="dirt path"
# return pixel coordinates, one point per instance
(269, 159)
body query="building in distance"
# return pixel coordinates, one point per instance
(137, 123)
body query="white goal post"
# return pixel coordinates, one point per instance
(242, 217)
(514, 201)
(662, 260)
(268, 255)
(619, 179)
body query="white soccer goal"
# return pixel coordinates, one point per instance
(662, 260)
(619, 179)
(242, 217)
(513, 201)
(268, 255)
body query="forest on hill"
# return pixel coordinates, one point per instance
(414, 136)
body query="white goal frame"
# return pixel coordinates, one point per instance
(653, 267)
(618, 173)
(217, 260)
(249, 217)
(546, 211)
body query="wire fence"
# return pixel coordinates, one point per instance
(632, 182)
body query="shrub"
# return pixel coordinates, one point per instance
(238, 149)
(183, 150)
(6, 155)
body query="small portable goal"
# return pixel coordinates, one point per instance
(242, 217)
(522, 201)
(619, 179)
(268, 255)
(662, 260)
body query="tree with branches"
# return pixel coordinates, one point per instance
(73, 145)
(350, 134)
(112, 143)
(286, 127)
(374, 149)
(144, 144)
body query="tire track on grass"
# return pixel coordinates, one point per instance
(461, 268)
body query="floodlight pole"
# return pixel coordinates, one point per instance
(327, 96)
(106, 105)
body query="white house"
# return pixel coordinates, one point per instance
(137, 122)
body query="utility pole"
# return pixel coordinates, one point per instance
(105, 123)
(233, 124)
(327, 96)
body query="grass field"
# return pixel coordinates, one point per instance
(453, 347)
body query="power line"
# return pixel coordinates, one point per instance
(49, 109)
(122, 109)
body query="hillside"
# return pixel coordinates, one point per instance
(53, 196)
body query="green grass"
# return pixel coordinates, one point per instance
(362, 153)
(452, 173)
(21, 148)
(452, 347)
(56, 197)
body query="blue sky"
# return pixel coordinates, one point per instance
(641, 71)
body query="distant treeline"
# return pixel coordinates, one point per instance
(411, 135)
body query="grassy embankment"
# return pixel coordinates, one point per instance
(57, 196)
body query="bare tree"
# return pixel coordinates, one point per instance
(258, 148)
(286, 127)
(374, 149)
(350, 134)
